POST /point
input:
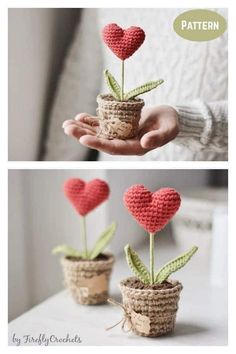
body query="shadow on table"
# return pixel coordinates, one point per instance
(116, 296)
(185, 329)
(181, 328)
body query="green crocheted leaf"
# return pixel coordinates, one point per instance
(113, 85)
(136, 265)
(173, 266)
(143, 89)
(103, 241)
(67, 251)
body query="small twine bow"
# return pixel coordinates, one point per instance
(126, 320)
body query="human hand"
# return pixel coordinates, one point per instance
(158, 126)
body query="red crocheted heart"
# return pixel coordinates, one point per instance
(122, 42)
(152, 210)
(86, 196)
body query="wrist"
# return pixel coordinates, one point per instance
(195, 121)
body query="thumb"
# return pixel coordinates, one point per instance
(153, 139)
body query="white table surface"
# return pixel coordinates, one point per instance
(201, 319)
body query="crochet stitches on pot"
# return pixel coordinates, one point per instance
(160, 306)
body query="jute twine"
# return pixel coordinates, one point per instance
(160, 306)
(88, 281)
(118, 119)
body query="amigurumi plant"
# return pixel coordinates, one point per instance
(87, 271)
(153, 211)
(150, 300)
(119, 112)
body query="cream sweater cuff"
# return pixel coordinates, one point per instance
(195, 121)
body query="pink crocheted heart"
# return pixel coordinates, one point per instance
(86, 196)
(122, 42)
(152, 210)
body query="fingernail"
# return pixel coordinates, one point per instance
(77, 117)
(64, 124)
(68, 131)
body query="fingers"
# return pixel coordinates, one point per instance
(156, 130)
(161, 133)
(85, 127)
(67, 122)
(83, 124)
(88, 119)
(158, 137)
(113, 147)
(154, 139)
(80, 116)
(78, 129)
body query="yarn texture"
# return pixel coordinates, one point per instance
(118, 119)
(79, 272)
(123, 42)
(86, 196)
(152, 210)
(160, 306)
(191, 70)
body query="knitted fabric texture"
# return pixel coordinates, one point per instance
(160, 306)
(152, 210)
(118, 119)
(75, 272)
(194, 66)
(123, 42)
(86, 196)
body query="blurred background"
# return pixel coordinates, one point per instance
(40, 217)
(38, 41)
(56, 62)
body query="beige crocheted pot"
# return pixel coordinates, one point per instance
(118, 119)
(88, 280)
(152, 313)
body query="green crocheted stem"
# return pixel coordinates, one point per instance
(84, 235)
(136, 265)
(152, 258)
(122, 79)
(174, 265)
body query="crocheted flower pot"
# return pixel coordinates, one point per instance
(151, 309)
(88, 280)
(118, 119)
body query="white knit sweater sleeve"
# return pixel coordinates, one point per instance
(203, 126)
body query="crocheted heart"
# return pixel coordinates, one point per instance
(86, 196)
(123, 43)
(152, 210)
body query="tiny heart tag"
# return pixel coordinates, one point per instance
(123, 42)
(152, 210)
(140, 322)
(86, 196)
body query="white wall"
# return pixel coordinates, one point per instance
(120, 180)
(37, 42)
(18, 285)
(40, 217)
